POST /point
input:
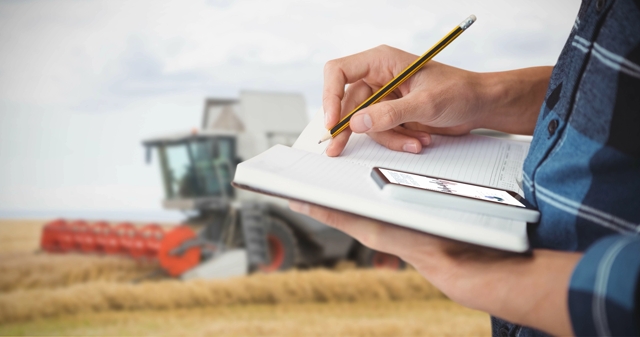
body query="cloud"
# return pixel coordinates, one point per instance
(71, 52)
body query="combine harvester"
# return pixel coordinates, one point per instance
(232, 232)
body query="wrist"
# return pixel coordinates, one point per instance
(510, 101)
(491, 91)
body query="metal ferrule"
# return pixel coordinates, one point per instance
(468, 22)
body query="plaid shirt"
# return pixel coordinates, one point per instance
(583, 169)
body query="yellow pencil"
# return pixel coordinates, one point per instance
(403, 76)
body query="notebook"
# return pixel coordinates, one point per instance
(303, 172)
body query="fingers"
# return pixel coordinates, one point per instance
(348, 223)
(337, 74)
(420, 249)
(338, 143)
(385, 60)
(401, 139)
(373, 234)
(397, 139)
(423, 137)
(458, 130)
(355, 94)
(384, 115)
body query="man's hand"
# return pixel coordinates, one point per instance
(527, 290)
(438, 99)
(429, 99)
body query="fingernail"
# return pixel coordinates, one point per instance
(326, 120)
(410, 147)
(425, 140)
(299, 207)
(360, 123)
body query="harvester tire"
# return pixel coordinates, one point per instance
(283, 247)
(369, 258)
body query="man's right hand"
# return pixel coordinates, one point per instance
(438, 99)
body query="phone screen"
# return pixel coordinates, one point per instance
(451, 187)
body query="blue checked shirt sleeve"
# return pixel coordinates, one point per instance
(603, 293)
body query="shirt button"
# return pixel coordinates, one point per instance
(600, 5)
(552, 127)
(504, 332)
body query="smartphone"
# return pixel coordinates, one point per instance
(439, 192)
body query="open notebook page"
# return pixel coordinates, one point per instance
(475, 159)
(344, 185)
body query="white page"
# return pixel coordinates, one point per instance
(475, 159)
(300, 174)
(308, 139)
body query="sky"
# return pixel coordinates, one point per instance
(83, 82)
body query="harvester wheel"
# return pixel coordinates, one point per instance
(283, 247)
(369, 258)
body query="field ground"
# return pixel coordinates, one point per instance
(407, 318)
(44, 294)
(18, 236)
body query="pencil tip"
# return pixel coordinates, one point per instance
(327, 136)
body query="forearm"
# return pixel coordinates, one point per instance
(512, 99)
(526, 290)
(534, 293)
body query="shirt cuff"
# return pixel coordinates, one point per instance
(603, 293)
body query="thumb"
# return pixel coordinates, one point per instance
(382, 116)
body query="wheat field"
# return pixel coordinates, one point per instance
(45, 294)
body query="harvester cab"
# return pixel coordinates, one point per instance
(197, 169)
